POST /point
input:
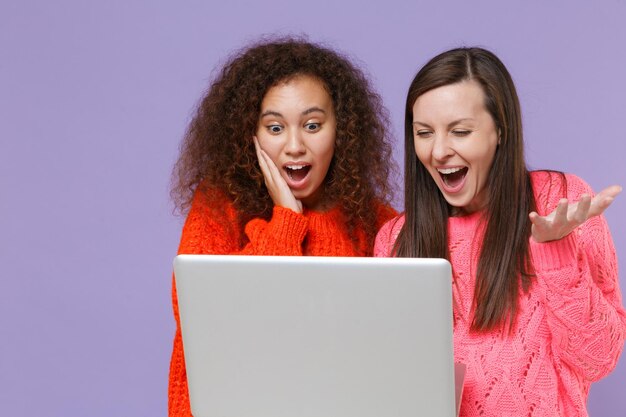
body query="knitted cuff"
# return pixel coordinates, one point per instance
(287, 225)
(557, 260)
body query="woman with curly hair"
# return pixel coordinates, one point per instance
(288, 154)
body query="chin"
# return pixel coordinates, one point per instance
(456, 203)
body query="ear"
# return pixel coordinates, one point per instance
(499, 136)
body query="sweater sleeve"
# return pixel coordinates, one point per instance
(202, 233)
(282, 235)
(578, 279)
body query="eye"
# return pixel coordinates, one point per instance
(312, 127)
(461, 132)
(423, 134)
(275, 129)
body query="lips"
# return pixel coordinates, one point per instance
(453, 178)
(297, 174)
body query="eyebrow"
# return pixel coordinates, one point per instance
(453, 123)
(313, 110)
(304, 113)
(271, 113)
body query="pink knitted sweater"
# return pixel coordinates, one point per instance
(570, 328)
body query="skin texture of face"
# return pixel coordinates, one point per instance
(296, 129)
(456, 140)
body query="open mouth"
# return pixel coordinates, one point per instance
(453, 177)
(297, 173)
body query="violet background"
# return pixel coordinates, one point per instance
(95, 97)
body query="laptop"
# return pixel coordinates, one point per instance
(273, 336)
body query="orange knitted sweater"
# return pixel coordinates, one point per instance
(286, 233)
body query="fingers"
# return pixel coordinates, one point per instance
(270, 172)
(566, 217)
(611, 191)
(553, 226)
(537, 220)
(262, 161)
(273, 169)
(278, 189)
(603, 200)
(581, 214)
(541, 227)
(560, 214)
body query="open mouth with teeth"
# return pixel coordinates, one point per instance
(297, 173)
(453, 177)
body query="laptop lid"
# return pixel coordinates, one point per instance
(316, 336)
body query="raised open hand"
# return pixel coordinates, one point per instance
(566, 217)
(279, 190)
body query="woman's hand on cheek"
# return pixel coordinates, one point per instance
(279, 190)
(566, 217)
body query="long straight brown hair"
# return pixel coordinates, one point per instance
(504, 259)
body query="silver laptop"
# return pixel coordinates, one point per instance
(303, 336)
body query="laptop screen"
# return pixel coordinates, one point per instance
(316, 336)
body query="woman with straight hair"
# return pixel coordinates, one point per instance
(288, 154)
(538, 312)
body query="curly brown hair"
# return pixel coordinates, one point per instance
(218, 152)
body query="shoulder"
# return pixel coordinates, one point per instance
(394, 225)
(210, 205)
(211, 225)
(210, 199)
(384, 213)
(551, 186)
(387, 236)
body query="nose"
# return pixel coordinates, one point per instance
(295, 143)
(442, 148)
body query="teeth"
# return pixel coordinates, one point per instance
(447, 171)
(295, 167)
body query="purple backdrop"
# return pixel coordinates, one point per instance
(94, 99)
